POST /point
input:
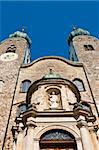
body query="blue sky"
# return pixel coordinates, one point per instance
(48, 23)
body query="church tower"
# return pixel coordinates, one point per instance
(85, 48)
(14, 51)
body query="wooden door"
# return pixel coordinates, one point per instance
(58, 149)
(57, 146)
(57, 139)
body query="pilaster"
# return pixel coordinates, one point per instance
(93, 130)
(80, 115)
(19, 144)
(29, 143)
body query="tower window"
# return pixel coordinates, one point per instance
(1, 86)
(11, 48)
(88, 47)
(25, 85)
(79, 84)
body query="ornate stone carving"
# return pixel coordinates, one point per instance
(31, 122)
(54, 100)
(81, 123)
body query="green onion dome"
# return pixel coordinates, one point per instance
(76, 32)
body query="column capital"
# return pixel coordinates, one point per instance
(79, 111)
(91, 118)
(20, 124)
(81, 123)
(31, 122)
(18, 120)
(91, 126)
(15, 132)
(98, 133)
(20, 127)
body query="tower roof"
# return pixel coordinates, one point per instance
(76, 32)
(21, 34)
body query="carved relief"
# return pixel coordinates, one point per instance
(54, 98)
(53, 101)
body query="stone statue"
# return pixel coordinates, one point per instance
(53, 101)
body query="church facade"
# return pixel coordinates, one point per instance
(51, 103)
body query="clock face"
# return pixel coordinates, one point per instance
(8, 56)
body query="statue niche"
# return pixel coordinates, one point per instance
(54, 99)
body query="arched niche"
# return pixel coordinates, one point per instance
(54, 97)
(51, 91)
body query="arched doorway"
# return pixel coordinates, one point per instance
(57, 139)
